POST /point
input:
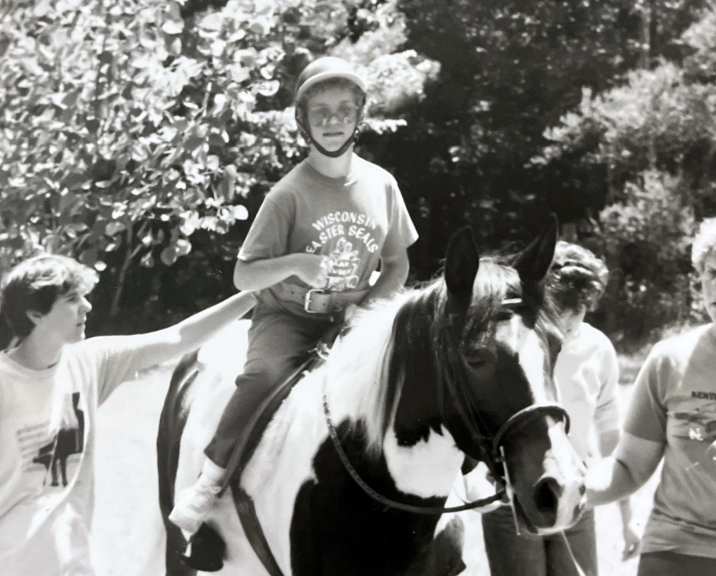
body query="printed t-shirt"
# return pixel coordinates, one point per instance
(47, 436)
(587, 373)
(674, 402)
(354, 221)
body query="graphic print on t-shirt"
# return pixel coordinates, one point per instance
(344, 263)
(696, 418)
(45, 457)
(343, 237)
(351, 226)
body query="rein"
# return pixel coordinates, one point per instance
(429, 510)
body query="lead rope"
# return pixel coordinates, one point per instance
(387, 501)
(571, 554)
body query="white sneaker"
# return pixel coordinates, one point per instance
(192, 505)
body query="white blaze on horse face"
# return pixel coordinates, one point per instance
(426, 469)
(527, 345)
(562, 463)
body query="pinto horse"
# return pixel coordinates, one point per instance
(460, 367)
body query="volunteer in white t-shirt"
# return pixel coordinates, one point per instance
(672, 418)
(586, 374)
(51, 382)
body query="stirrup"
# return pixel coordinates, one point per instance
(205, 550)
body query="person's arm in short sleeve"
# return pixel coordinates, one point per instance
(121, 357)
(263, 260)
(394, 263)
(606, 421)
(401, 230)
(646, 416)
(641, 446)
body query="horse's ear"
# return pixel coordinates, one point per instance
(461, 263)
(534, 261)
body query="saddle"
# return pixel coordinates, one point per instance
(206, 548)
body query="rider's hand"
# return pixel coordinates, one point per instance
(312, 269)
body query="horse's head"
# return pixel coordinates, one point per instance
(473, 355)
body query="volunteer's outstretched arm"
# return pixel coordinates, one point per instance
(157, 347)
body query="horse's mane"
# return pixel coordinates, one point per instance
(398, 341)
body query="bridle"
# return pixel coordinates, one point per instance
(492, 447)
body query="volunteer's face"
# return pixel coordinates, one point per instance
(332, 117)
(66, 319)
(708, 284)
(571, 319)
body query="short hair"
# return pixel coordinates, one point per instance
(330, 83)
(704, 243)
(576, 278)
(36, 284)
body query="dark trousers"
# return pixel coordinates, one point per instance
(279, 343)
(673, 564)
(527, 555)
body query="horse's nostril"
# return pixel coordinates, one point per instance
(547, 492)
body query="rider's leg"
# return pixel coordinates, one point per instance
(278, 344)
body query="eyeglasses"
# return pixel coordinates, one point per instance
(345, 114)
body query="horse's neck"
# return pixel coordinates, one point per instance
(426, 469)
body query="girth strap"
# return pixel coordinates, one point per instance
(252, 528)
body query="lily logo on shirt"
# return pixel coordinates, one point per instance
(53, 456)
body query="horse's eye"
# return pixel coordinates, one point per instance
(504, 315)
(477, 358)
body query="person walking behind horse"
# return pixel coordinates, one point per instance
(671, 418)
(320, 233)
(52, 381)
(586, 374)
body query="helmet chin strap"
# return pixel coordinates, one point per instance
(335, 153)
(306, 132)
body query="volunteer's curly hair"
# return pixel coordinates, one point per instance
(704, 243)
(576, 278)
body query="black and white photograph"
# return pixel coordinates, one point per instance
(357, 287)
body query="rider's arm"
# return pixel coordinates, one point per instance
(260, 274)
(393, 274)
(617, 477)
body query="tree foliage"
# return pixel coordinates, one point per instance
(141, 136)
(130, 126)
(650, 142)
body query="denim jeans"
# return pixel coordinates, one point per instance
(529, 555)
(278, 344)
(673, 564)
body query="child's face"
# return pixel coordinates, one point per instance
(66, 318)
(332, 116)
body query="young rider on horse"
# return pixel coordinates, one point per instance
(320, 233)
(51, 384)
